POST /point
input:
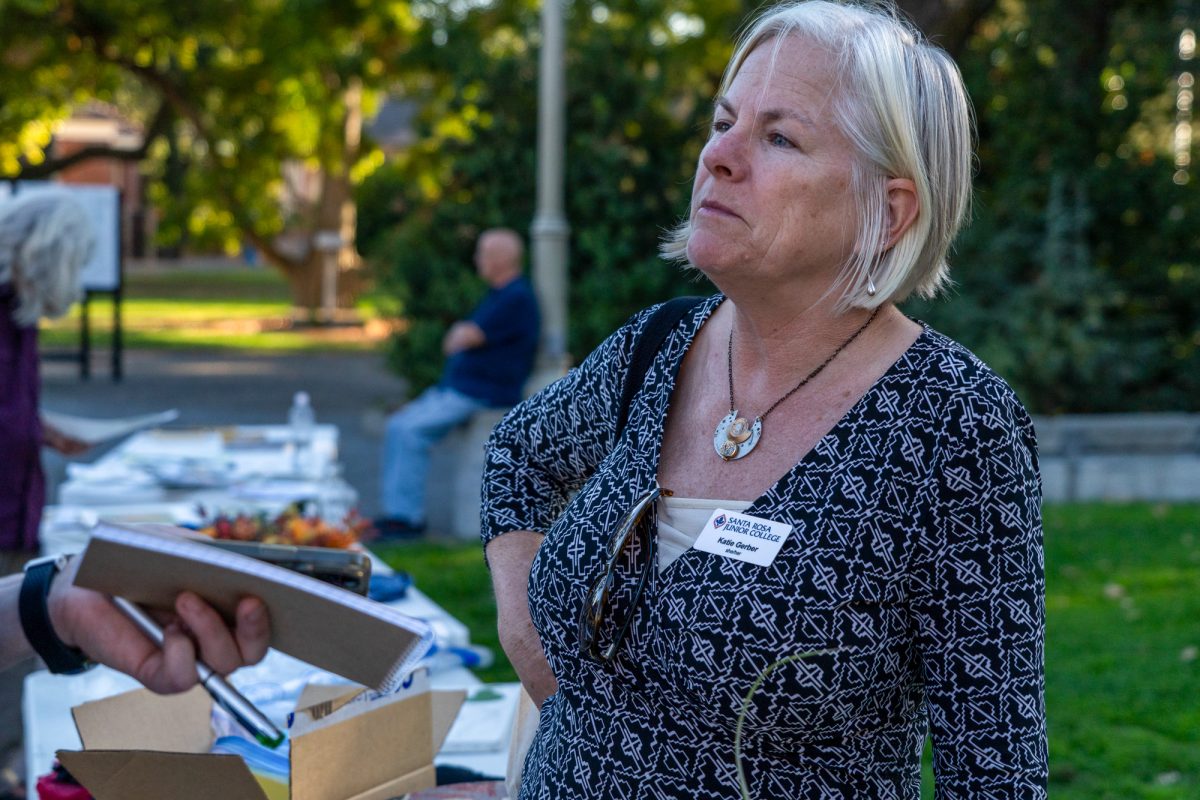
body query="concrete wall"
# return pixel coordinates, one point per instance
(1108, 457)
(455, 471)
(1120, 457)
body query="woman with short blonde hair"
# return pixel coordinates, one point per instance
(816, 537)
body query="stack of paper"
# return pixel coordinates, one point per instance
(179, 445)
(484, 722)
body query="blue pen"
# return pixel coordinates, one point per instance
(225, 695)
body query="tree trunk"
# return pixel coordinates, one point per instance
(328, 232)
(304, 279)
(335, 215)
(350, 267)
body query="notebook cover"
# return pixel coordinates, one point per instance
(331, 628)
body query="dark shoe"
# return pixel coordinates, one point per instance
(397, 528)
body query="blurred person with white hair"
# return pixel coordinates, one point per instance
(45, 238)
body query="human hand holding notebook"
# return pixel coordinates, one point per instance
(331, 628)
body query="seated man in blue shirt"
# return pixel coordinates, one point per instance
(489, 358)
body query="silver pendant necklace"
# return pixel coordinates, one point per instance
(735, 436)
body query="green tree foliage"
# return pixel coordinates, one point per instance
(641, 76)
(229, 92)
(1079, 279)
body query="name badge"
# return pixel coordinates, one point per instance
(742, 537)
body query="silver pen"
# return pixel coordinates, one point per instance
(225, 695)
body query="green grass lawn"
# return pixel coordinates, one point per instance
(245, 309)
(1123, 628)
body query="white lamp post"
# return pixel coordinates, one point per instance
(550, 230)
(327, 244)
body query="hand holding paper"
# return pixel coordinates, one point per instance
(97, 431)
(88, 620)
(55, 439)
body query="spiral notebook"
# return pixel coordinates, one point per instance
(331, 628)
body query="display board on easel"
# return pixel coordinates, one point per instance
(103, 273)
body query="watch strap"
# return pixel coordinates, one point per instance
(60, 658)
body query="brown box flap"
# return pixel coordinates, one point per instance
(445, 709)
(383, 742)
(425, 778)
(142, 720)
(142, 775)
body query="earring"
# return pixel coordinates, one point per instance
(870, 286)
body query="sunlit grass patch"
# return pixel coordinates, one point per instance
(234, 309)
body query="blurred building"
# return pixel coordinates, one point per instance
(99, 125)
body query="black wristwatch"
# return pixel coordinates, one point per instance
(60, 658)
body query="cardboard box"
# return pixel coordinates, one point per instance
(346, 744)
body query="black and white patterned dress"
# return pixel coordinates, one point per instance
(915, 558)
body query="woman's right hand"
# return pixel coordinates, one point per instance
(510, 556)
(55, 439)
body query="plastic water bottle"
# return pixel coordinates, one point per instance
(301, 421)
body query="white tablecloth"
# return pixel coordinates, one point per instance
(253, 467)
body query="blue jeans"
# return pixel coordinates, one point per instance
(411, 433)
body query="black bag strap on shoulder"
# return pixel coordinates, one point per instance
(664, 318)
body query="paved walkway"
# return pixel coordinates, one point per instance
(221, 388)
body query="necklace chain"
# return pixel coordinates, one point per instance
(761, 417)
